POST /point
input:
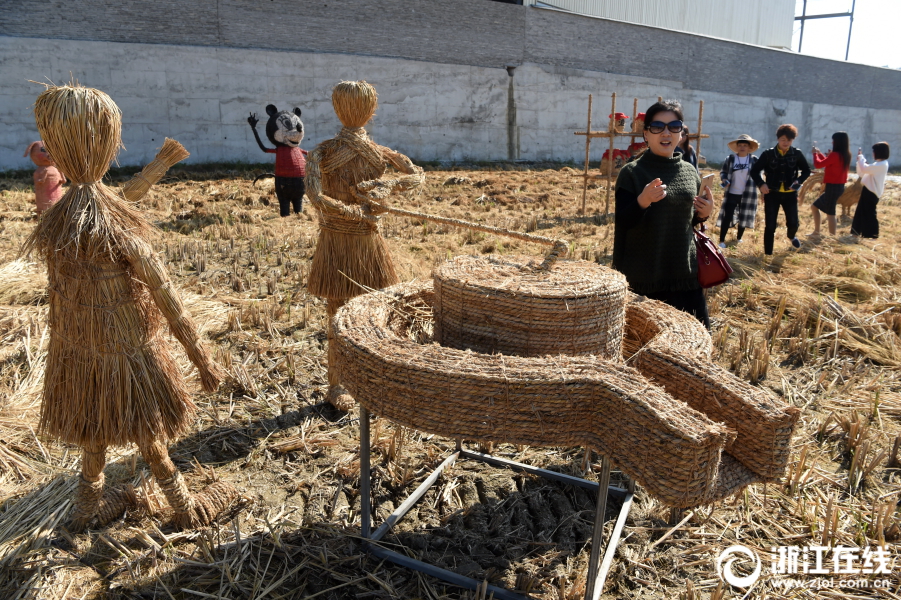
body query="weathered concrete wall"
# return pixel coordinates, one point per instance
(202, 96)
(462, 32)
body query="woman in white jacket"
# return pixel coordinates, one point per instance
(865, 224)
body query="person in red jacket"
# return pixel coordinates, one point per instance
(836, 162)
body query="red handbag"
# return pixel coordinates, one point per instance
(713, 268)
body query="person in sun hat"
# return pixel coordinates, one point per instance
(740, 201)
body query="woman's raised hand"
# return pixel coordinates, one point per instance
(704, 203)
(653, 192)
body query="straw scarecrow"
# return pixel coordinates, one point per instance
(110, 377)
(344, 184)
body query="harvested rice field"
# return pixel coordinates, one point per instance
(818, 327)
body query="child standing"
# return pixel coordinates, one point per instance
(741, 193)
(865, 224)
(785, 169)
(837, 162)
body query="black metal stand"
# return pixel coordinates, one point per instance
(597, 573)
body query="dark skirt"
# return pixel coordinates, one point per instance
(692, 302)
(826, 201)
(865, 224)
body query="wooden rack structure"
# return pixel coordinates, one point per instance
(611, 133)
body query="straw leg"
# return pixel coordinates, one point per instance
(90, 487)
(337, 395)
(92, 505)
(191, 510)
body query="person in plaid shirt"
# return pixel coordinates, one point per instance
(741, 193)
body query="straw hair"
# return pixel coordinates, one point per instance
(354, 102)
(81, 128)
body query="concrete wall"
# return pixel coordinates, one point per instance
(194, 69)
(464, 32)
(431, 111)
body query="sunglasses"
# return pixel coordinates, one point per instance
(659, 126)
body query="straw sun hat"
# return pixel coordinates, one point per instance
(733, 145)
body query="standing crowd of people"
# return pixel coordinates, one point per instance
(779, 173)
(660, 201)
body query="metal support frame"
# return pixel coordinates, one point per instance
(805, 17)
(597, 568)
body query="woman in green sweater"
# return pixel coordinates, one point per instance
(657, 206)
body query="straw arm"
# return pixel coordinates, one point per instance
(149, 270)
(379, 189)
(171, 153)
(402, 163)
(322, 202)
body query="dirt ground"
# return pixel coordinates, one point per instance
(818, 327)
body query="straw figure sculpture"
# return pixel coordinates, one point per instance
(448, 358)
(110, 378)
(344, 184)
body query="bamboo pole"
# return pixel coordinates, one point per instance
(587, 151)
(700, 128)
(612, 130)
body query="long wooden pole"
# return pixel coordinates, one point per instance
(612, 130)
(700, 127)
(587, 152)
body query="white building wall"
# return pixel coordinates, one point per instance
(202, 96)
(760, 22)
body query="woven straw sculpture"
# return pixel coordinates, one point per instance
(494, 305)
(110, 377)
(344, 183)
(814, 186)
(687, 430)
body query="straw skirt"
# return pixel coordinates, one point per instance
(351, 257)
(110, 377)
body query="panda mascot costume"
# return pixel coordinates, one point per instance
(285, 130)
